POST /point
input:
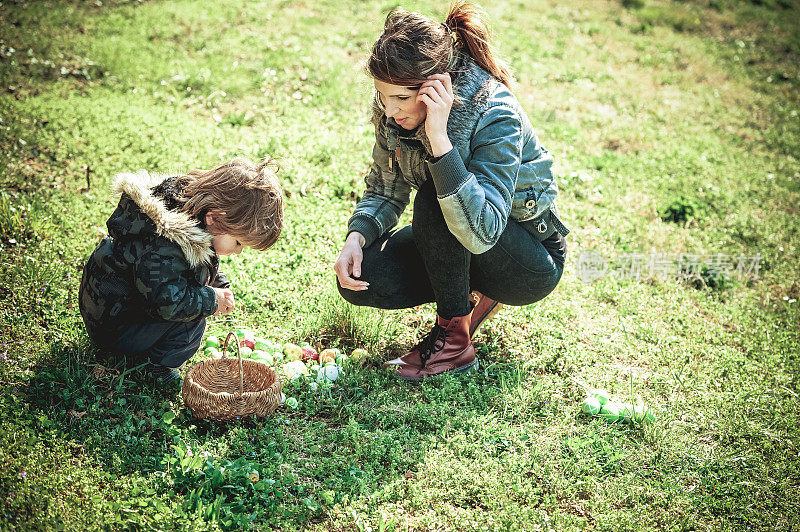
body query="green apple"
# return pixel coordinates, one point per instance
(291, 403)
(212, 341)
(245, 352)
(260, 344)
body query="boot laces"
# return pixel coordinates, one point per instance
(433, 342)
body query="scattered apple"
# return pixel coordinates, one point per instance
(212, 341)
(248, 342)
(245, 352)
(260, 344)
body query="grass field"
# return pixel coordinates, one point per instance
(675, 128)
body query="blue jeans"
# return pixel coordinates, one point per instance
(169, 343)
(423, 263)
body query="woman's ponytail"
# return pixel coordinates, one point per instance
(469, 23)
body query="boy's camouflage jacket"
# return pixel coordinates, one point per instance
(154, 265)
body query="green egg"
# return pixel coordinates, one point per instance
(610, 413)
(643, 414)
(626, 412)
(602, 396)
(591, 406)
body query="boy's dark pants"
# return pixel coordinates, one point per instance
(169, 343)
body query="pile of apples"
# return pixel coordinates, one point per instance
(295, 363)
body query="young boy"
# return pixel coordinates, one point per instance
(150, 284)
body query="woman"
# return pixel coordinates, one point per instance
(484, 217)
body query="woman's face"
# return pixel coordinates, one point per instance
(401, 103)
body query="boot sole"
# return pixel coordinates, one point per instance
(472, 365)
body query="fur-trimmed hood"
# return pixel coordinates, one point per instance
(472, 86)
(141, 213)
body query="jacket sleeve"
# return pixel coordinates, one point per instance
(161, 277)
(385, 198)
(476, 200)
(221, 281)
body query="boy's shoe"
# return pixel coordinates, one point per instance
(166, 377)
(485, 308)
(446, 348)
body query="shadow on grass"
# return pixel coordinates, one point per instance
(161, 463)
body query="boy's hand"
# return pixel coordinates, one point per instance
(225, 301)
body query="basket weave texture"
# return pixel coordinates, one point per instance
(226, 388)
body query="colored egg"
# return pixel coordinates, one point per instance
(327, 355)
(358, 354)
(591, 406)
(610, 412)
(292, 351)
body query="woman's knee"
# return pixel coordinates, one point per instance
(354, 297)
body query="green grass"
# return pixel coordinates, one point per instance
(675, 128)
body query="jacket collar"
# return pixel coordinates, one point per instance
(176, 226)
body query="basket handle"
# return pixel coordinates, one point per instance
(239, 353)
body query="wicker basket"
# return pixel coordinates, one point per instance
(226, 388)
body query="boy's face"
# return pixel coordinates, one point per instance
(226, 245)
(223, 243)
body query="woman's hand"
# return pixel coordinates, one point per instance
(348, 265)
(437, 95)
(225, 301)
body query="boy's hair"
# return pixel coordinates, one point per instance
(249, 194)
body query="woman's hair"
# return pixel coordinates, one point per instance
(413, 46)
(249, 194)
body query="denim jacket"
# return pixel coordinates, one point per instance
(497, 168)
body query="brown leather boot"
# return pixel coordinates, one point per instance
(447, 347)
(483, 310)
